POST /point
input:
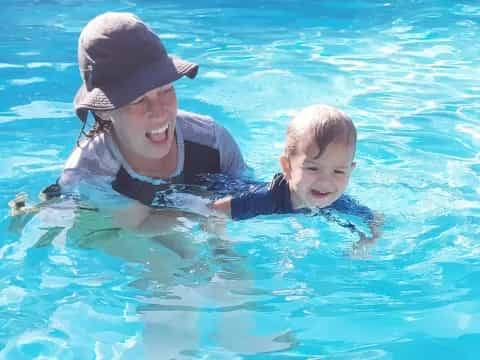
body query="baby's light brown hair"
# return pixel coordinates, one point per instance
(319, 125)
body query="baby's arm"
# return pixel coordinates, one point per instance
(256, 201)
(374, 225)
(373, 220)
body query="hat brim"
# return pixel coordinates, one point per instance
(124, 91)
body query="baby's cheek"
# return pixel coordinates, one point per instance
(344, 182)
(293, 185)
(311, 178)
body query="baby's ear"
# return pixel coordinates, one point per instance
(354, 164)
(285, 164)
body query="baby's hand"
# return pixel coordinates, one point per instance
(360, 249)
(222, 207)
(375, 226)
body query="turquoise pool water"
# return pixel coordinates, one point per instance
(283, 286)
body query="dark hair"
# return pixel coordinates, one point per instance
(319, 125)
(99, 126)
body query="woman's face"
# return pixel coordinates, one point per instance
(144, 129)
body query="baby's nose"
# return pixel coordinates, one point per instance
(326, 181)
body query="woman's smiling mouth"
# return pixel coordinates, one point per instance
(159, 135)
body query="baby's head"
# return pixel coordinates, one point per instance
(318, 157)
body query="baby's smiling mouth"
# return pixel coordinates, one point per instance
(317, 193)
(158, 135)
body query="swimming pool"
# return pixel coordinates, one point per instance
(284, 286)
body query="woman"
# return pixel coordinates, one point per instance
(139, 143)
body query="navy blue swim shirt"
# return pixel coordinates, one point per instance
(274, 198)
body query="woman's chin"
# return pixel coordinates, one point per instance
(158, 148)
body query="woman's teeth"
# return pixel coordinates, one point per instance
(158, 135)
(159, 130)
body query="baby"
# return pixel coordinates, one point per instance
(316, 167)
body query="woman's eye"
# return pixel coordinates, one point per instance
(140, 101)
(166, 90)
(311, 168)
(340, 172)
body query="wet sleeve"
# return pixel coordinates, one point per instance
(231, 159)
(87, 162)
(258, 201)
(265, 199)
(70, 178)
(350, 206)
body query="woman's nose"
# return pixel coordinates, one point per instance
(156, 108)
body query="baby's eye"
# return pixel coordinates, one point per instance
(311, 168)
(340, 172)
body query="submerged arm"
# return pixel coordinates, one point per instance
(373, 220)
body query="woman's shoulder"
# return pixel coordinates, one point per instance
(203, 129)
(198, 119)
(197, 128)
(94, 155)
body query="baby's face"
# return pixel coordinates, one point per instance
(318, 182)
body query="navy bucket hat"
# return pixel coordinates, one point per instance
(120, 59)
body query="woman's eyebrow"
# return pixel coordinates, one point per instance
(166, 87)
(137, 100)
